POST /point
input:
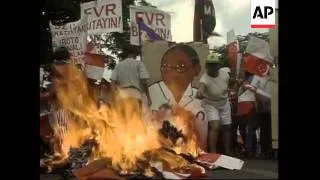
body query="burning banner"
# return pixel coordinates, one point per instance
(109, 140)
(175, 70)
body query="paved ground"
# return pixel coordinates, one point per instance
(252, 169)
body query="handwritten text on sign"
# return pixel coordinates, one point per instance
(104, 16)
(158, 21)
(73, 36)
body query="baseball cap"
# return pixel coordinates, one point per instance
(212, 58)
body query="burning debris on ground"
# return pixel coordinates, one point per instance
(170, 131)
(105, 142)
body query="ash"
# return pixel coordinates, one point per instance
(79, 157)
(170, 131)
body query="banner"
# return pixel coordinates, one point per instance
(204, 20)
(159, 21)
(73, 36)
(175, 70)
(104, 16)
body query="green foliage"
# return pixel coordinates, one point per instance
(115, 42)
(243, 42)
(65, 11)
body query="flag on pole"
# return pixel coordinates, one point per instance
(259, 59)
(94, 62)
(232, 49)
(256, 66)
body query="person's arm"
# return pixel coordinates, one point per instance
(202, 87)
(200, 91)
(145, 87)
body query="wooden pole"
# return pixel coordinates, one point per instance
(140, 43)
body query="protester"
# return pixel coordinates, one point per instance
(131, 76)
(213, 91)
(256, 62)
(246, 115)
(179, 66)
(264, 118)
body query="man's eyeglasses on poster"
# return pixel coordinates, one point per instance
(180, 68)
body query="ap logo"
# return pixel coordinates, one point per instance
(263, 13)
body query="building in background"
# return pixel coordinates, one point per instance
(274, 80)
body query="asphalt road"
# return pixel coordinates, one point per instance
(252, 169)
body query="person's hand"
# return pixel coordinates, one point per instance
(249, 87)
(200, 94)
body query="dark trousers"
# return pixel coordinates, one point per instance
(248, 125)
(234, 128)
(265, 131)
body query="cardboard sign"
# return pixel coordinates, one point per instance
(73, 36)
(104, 16)
(173, 67)
(159, 21)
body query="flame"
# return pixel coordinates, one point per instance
(119, 129)
(184, 120)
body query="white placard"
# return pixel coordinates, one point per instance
(159, 21)
(72, 36)
(104, 16)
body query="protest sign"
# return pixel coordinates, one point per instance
(159, 21)
(72, 36)
(104, 16)
(173, 74)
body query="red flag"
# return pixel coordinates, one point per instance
(256, 66)
(94, 62)
(232, 55)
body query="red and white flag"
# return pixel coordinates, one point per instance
(256, 66)
(94, 62)
(259, 59)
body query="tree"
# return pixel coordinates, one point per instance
(243, 42)
(115, 42)
(64, 11)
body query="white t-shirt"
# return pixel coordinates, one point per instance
(128, 74)
(216, 91)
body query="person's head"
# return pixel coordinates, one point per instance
(129, 52)
(61, 57)
(212, 64)
(179, 65)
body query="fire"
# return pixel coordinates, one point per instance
(183, 120)
(119, 130)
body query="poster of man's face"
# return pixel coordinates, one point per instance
(177, 64)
